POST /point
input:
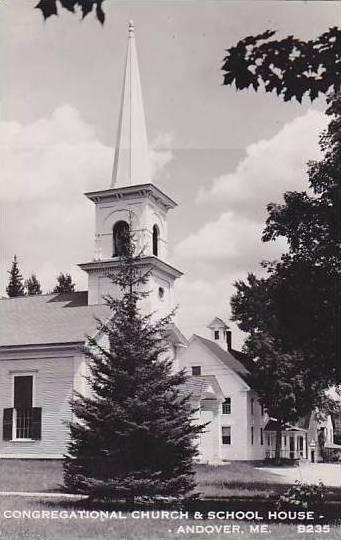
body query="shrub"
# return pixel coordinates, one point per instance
(303, 496)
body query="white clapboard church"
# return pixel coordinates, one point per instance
(42, 337)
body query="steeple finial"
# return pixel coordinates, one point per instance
(131, 163)
(131, 28)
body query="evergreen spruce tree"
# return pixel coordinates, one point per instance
(134, 434)
(64, 285)
(15, 285)
(32, 286)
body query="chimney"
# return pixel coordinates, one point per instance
(229, 340)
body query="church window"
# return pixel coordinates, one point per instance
(120, 238)
(226, 434)
(227, 406)
(23, 388)
(252, 405)
(216, 334)
(156, 240)
(196, 370)
(23, 421)
(161, 293)
(261, 436)
(252, 434)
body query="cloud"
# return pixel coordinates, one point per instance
(161, 153)
(270, 167)
(229, 246)
(229, 239)
(46, 166)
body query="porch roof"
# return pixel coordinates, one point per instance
(273, 423)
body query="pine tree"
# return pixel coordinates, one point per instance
(64, 285)
(15, 285)
(32, 286)
(134, 434)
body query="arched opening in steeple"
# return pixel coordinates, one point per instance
(120, 238)
(156, 234)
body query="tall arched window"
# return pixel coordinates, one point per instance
(155, 240)
(120, 238)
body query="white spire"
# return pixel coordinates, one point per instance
(131, 163)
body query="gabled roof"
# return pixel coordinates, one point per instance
(225, 356)
(217, 323)
(47, 319)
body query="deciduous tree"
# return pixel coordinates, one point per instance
(50, 7)
(32, 286)
(291, 67)
(65, 284)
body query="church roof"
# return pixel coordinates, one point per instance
(48, 319)
(225, 356)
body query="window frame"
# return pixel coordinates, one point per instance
(229, 437)
(115, 252)
(155, 240)
(228, 398)
(14, 419)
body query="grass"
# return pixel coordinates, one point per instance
(237, 479)
(232, 480)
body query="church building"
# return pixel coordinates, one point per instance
(42, 337)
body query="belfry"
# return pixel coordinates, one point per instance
(132, 200)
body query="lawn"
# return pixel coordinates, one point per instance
(227, 483)
(237, 479)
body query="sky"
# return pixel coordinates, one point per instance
(222, 155)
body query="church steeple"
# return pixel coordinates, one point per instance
(133, 202)
(131, 162)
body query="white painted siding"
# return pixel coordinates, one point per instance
(232, 386)
(54, 379)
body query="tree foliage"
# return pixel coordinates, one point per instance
(291, 67)
(133, 435)
(15, 285)
(50, 7)
(32, 286)
(65, 284)
(292, 315)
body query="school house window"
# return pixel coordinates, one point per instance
(227, 406)
(22, 421)
(226, 434)
(252, 405)
(196, 370)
